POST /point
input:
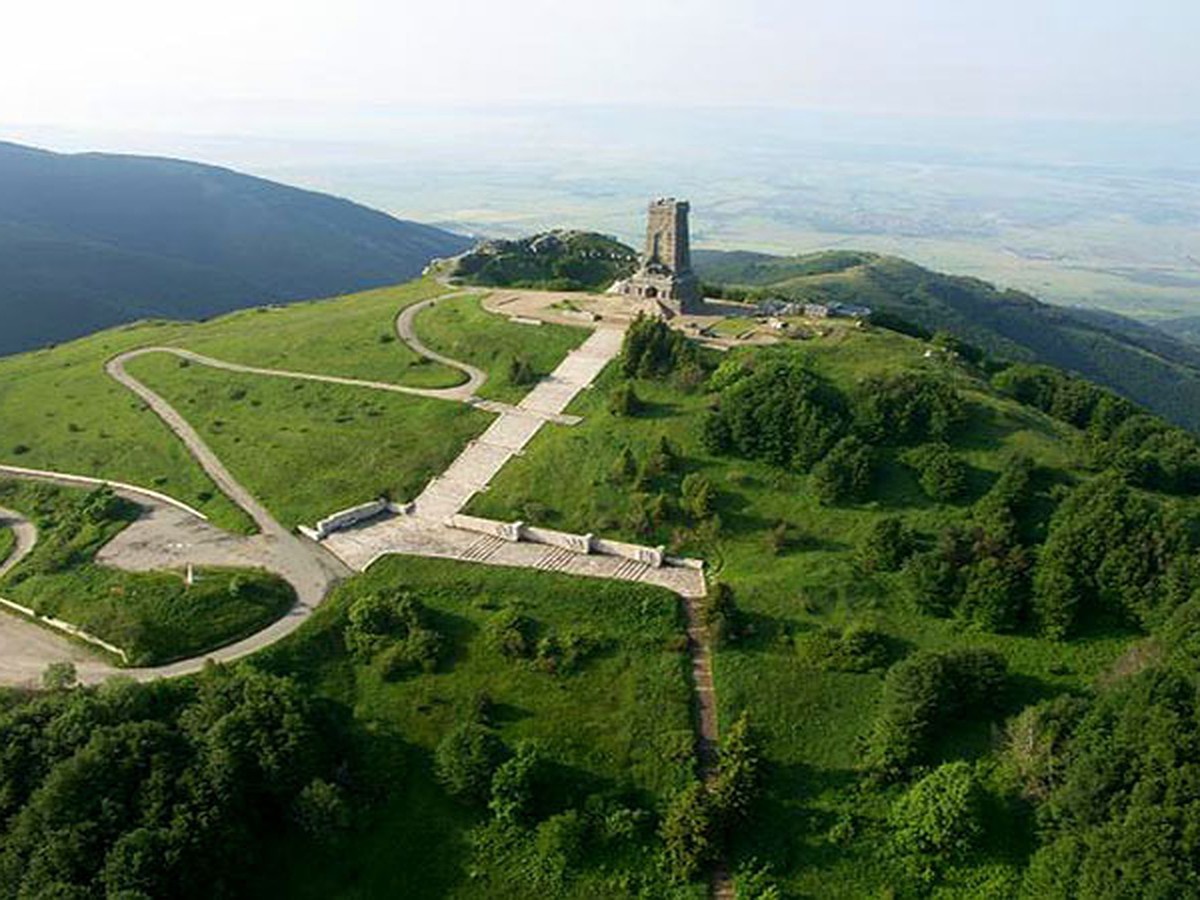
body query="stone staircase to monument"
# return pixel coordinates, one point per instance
(555, 559)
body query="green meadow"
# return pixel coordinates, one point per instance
(617, 727)
(813, 721)
(306, 448)
(353, 336)
(462, 329)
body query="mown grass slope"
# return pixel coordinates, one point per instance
(307, 449)
(59, 410)
(353, 336)
(8, 542)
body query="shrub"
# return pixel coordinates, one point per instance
(845, 474)
(394, 622)
(941, 474)
(652, 349)
(521, 371)
(923, 692)
(721, 615)
(320, 810)
(512, 786)
(886, 545)
(855, 649)
(738, 778)
(624, 468)
(466, 759)
(687, 833)
(511, 633)
(696, 496)
(624, 401)
(939, 819)
(928, 583)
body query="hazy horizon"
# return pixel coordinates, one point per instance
(1050, 146)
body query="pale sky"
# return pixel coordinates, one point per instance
(250, 65)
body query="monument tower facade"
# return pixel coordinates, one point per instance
(665, 275)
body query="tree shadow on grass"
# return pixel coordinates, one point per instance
(656, 409)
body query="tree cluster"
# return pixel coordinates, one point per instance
(158, 790)
(519, 637)
(700, 820)
(942, 474)
(924, 692)
(1112, 551)
(1117, 786)
(653, 349)
(1142, 448)
(779, 412)
(394, 626)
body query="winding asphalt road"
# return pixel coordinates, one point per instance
(406, 331)
(25, 533)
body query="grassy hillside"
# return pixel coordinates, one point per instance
(307, 449)
(614, 732)
(91, 240)
(1137, 361)
(514, 355)
(796, 565)
(8, 542)
(60, 411)
(555, 260)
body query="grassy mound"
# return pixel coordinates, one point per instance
(555, 260)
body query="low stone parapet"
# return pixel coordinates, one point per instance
(655, 557)
(346, 518)
(509, 531)
(576, 543)
(651, 556)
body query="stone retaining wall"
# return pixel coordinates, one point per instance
(66, 627)
(86, 481)
(576, 543)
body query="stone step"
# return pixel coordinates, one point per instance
(482, 549)
(554, 560)
(631, 570)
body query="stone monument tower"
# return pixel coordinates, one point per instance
(665, 275)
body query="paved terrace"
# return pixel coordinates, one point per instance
(424, 532)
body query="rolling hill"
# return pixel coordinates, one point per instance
(92, 240)
(556, 260)
(1143, 363)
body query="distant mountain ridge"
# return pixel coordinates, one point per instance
(92, 240)
(1141, 362)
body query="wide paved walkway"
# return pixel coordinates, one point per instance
(424, 530)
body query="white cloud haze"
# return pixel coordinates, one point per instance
(255, 64)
